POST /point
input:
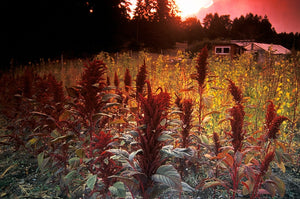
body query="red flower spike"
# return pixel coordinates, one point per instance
(127, 80)
(271, 114)
(235, 92)
(154, 110)
(186, 118)
(266, 162)
(275, 126)
(202, 66)
(92, 82)
(140, 79)
(217, 144)
(108, 81)
(237, 121)
(116, 80)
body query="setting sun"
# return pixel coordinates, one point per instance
(186, 7)
(191, 7)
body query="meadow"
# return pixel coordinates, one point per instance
(144, 125)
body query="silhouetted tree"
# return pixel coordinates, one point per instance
(193, 29)
(253, 27)
(36, 29)
(155, 22)
(217, 26)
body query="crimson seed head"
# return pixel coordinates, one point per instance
(116, 80)
(154, 111)
(266, 162)
(108, 81)
(92, 75)
(237, 121)
(235, 92)
(217, 144)
(275, 126)
(56, 88)
(186, 118)
(140, 79)
(127, 80)
(271, 114)
(187, 109)
(202, 66)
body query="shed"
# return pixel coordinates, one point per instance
(227, 49)
(261, 50)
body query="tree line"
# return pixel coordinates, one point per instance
(34, 29)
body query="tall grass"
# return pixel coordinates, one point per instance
(107, 132)
(276, 80)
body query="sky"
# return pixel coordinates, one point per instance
(284, 15)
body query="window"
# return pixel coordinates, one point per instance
(226, 50)
(222, 50)
(218, 50)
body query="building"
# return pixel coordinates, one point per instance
(227, 49)
(262, 51)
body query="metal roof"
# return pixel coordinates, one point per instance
(275, 49)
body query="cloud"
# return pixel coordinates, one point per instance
(283, 14)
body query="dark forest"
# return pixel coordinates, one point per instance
(35, 29)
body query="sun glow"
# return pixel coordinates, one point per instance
(186, 8)
(191, 7)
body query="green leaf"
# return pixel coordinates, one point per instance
(55, 133)
(40, 159)
(75, 161)
(163, 122)
(108, 105)
(216, 182)
(119, 152)
(164, 137)
(113, 190)
(70, 175)
(118, 190)
(186, 187)
(32, 141)
(91, 181)
(168, 175)
(99, 115)
(110, 96)
(270, 187)
(134, 133)
(248, 187)
(61, 138)
(204, 139)
(183, 152)
(133, 154)
(279, 184)
(80, 153)
(175, 122)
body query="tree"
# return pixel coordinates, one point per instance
(193, 29)
(143, 10)
(155, 22)
(217, 26)
(253, 27)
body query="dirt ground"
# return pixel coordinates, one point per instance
(20, 178)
